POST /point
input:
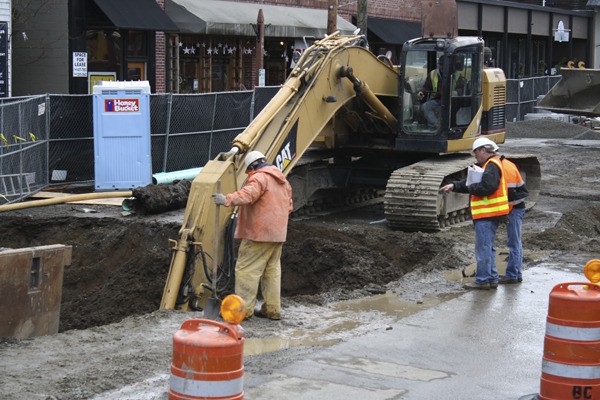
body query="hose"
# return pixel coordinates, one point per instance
(225, 269)
(66, 199)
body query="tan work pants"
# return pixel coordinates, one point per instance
(259, 262)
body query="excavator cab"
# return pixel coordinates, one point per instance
(450, 106)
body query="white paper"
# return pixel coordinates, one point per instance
(474, 174)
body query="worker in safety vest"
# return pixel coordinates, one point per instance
(265, 203)
(517, 192)
(433, 87)
(489, 207)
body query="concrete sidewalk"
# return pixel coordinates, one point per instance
(483, 345)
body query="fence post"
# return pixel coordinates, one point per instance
(212, 128)
(252, 103)
(20, 128)
(47, 139)
(168, 130)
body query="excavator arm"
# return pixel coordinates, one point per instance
(325, 80)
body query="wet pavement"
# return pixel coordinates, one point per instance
(479, 345)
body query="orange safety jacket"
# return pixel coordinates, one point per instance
(265, 204)
(514, 183)
(494, 205)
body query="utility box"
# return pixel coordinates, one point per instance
(31, 281)
(122, 154)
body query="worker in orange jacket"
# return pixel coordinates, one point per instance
(265, 202)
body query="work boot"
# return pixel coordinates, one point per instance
(504, 280)
(519, 279)
(477, 286)
(493, 284)
(268, 312)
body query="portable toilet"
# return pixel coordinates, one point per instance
(122, 153)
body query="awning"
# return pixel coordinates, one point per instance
(211, 17)
(393, 31)
(143, 15)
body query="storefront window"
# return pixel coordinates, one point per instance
(104, 48)
(213, 63)
(277, 62)
(136, 44)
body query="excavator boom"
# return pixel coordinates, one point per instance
(323, 82)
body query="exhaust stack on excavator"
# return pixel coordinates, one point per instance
(438, 19)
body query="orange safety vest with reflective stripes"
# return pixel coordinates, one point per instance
(494, 205)
(514, 180)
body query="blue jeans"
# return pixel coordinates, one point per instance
(431, 109)
(515, 248)
(485, 253)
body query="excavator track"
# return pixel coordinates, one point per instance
(413, 201)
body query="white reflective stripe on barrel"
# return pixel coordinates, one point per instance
(572, 333)
(208, 389)
(571, 371)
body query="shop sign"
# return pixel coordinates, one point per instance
(122, 105)
(80, 65)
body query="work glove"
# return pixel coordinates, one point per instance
(219, 198)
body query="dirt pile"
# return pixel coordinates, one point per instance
(548, 128)
(576, 231)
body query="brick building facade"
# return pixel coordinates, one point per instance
(203, 52)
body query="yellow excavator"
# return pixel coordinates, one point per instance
(348, 126)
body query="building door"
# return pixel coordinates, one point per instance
(136, 71)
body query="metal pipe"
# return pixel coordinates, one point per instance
(170, 177)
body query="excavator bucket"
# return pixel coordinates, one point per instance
(578, 92)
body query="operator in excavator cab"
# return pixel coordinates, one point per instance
(433, 87)
(265, 202)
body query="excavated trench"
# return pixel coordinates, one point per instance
(119, 264)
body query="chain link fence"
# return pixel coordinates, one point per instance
(522, 95)
(23, 147)
(186, 132)
(49, 140)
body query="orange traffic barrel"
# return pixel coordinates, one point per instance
(207, 361)
(571, 362)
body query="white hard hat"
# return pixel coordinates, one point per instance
(485, 142)
(253, 156)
